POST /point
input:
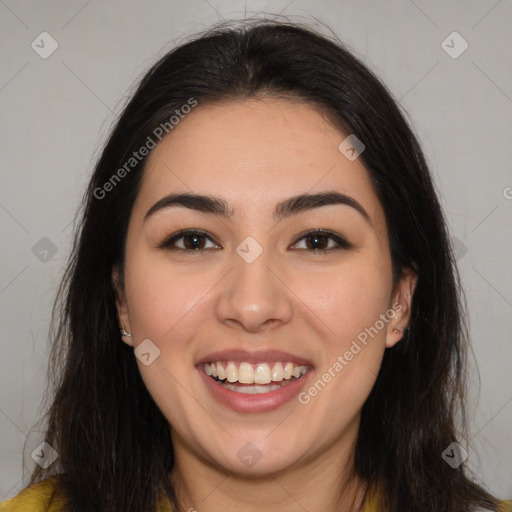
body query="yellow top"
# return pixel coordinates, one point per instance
(37, 498)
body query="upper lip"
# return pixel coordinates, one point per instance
(255, 357)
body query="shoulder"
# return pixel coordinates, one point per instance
(39, 497)
(43, 497)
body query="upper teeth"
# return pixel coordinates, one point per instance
(247, 373)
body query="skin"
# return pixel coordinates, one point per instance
(255, 153)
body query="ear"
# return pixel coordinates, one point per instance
(122, 309)
(401, 305)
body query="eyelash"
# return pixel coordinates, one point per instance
(168, 242)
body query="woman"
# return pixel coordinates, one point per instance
(263, 231)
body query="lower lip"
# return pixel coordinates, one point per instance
(262, 402)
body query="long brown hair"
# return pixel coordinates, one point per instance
(114, 445)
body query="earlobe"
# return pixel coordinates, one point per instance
(122, 309)
(402, 304)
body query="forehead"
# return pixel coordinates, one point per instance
(254, 153)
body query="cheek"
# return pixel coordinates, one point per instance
(164, 307)
(163, 297)
(348, 299)
(352, 302)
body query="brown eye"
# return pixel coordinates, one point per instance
(318, 241)
(193, 241)
(315, 242)
(188, 240)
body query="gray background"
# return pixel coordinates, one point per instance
(57, 111)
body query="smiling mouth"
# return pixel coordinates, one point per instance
(253, 379)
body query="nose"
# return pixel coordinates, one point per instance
(255, 296)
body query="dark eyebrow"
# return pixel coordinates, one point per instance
(291, 206)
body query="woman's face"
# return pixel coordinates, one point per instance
(261, 300)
